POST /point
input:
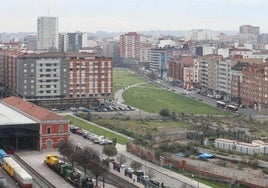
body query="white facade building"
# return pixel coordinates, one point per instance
(225, 76)
(224, 52)
(47, 33)
(201, 34)
(256, 147)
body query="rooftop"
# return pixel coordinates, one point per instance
(9, 116)
(33, 110)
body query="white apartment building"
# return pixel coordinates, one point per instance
(63, 42)
(201, 34)
(47, 34)
(256, 147)
(224, 52)
(224, 76)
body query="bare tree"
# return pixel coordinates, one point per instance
(97, 168)
(84, 156)
(64, 148)
(121, 159)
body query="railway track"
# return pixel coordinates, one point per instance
(117, 181)
(39, 181)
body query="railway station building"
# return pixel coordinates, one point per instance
(26, 126)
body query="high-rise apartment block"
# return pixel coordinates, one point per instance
(47, 34)
(59, 78)
(130, 46)
(76, 41)
(249, 29)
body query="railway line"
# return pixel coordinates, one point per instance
(39, 181)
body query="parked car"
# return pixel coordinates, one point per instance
(128, 172)
(73, 109)
(143, 179)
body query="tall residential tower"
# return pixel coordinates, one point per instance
(47, 34)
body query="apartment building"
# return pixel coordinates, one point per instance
(236, 81)
(47, 34)
(255, 86)
(130, 46)
(145, 54)
(60, 79)
(42, 76)
(255, 147)
(249, 29)
(9, 59)
(89, 76)
(209, 73)
(224, 78)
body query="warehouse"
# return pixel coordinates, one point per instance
(24, 125)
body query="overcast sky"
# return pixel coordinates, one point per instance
(134, 15)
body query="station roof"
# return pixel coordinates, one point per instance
(9, 116)
(32, 110)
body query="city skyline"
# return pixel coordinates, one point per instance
(134, 15)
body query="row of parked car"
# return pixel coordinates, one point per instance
(91, 136)
(141, 177)
(113, 108)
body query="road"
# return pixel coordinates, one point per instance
(161, 174)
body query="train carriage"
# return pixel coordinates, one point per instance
(23, 178)
(9, 165)
(17, 172)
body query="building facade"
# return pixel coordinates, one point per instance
(130, 46)
(76, 41)
(53, 128)
(255, 86)
(47, 34)
(67, 78)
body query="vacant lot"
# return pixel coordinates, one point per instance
(154, 99)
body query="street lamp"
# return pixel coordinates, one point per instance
(161, 160)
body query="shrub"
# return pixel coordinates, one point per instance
(164, 112)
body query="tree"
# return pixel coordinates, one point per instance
(135, 165)
(121, 159)
(109, 150)
(97, 168)
(64, 148)
(84, 156)
(164, 112)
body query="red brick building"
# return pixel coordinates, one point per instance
(254, 91)
(176, 65)
(53, 128)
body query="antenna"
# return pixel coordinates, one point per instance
(48, 8)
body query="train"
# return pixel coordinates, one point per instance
(22, 177)
(67, 172)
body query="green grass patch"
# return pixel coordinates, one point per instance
(96, 130)
(155, 99)
(123, 78)
(140, 127)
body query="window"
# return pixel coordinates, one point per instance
(48, 144)
(61, 129)
(48, 130)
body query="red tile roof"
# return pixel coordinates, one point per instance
(33, 110)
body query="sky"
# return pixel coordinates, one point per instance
(134, 15)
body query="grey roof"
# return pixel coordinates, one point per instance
(9, 116)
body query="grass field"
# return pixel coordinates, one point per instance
(123, 78)
(155, 99)
(96, 130)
